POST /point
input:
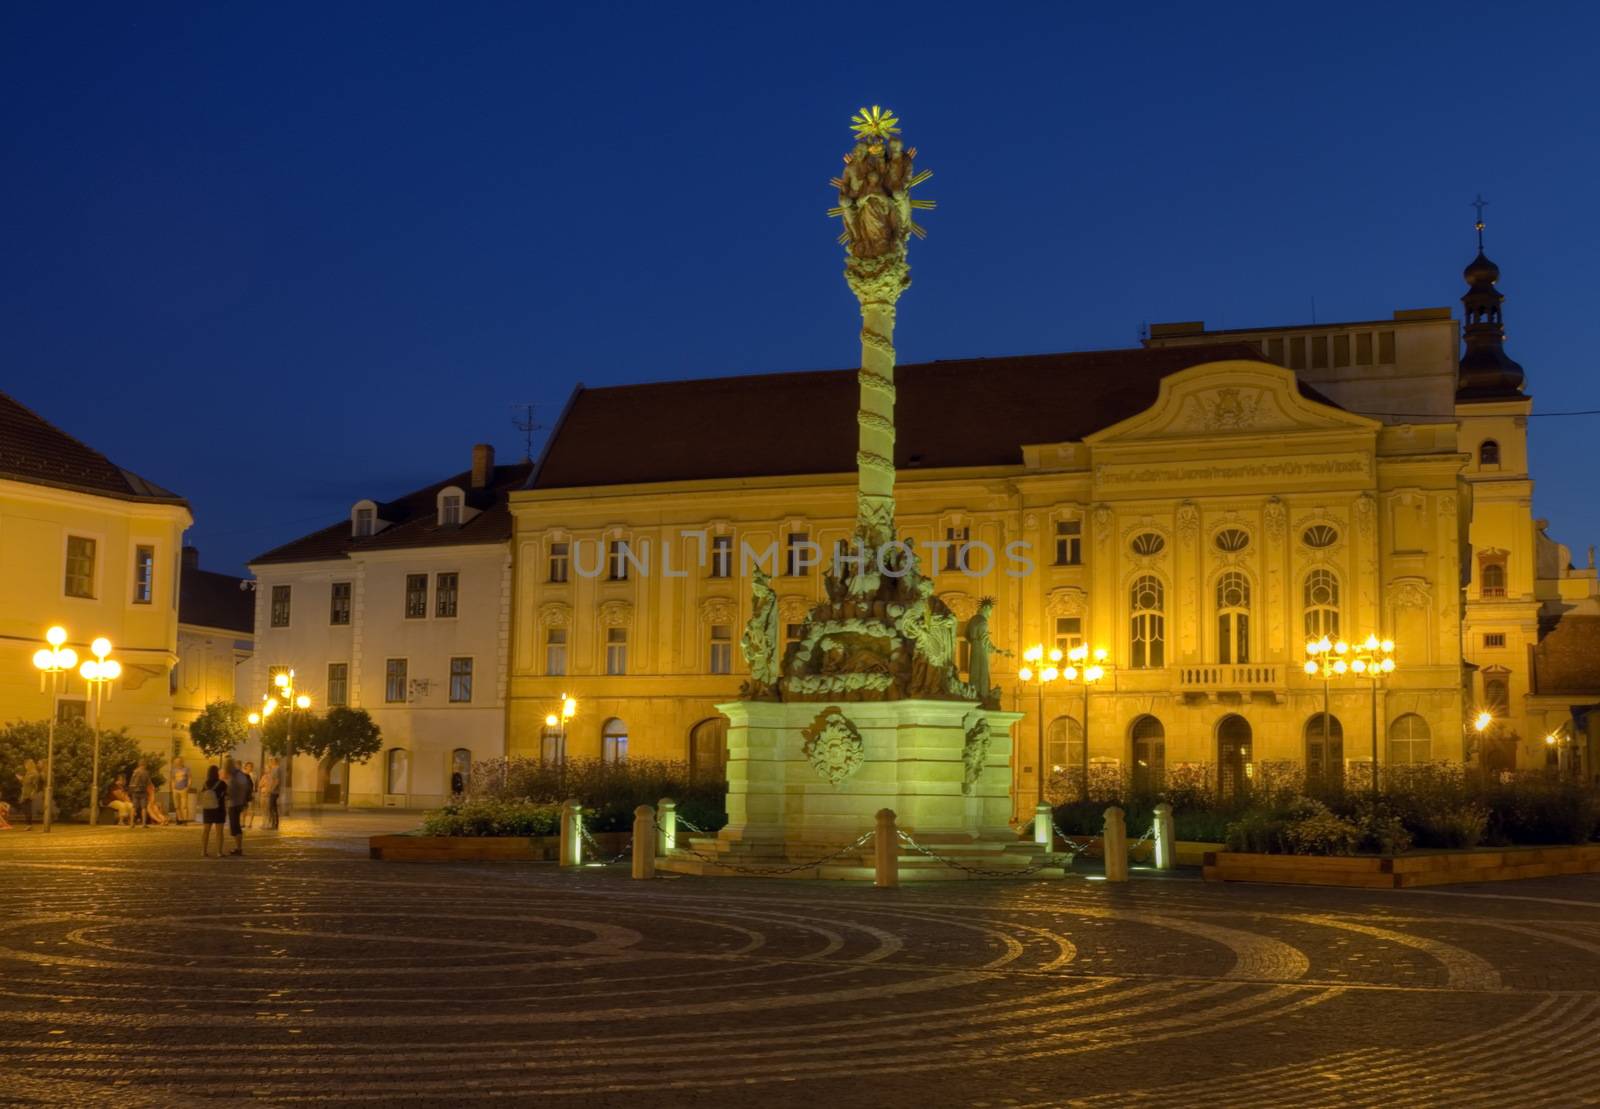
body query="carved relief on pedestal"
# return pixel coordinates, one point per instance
(975, 750)
(833, 746)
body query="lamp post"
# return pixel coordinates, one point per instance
(1082, 668)
(52, 662)
(98, 673)
(558, 720)
(1374, 658)
(1046, 672)
(284, 680)
(1325, 659)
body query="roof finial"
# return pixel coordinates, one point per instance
(1480, 204)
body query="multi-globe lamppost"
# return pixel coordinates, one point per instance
(1080, 667)
(1372, 658)
(98, 673)
(283, 681)
(569, 709)
(53, 662)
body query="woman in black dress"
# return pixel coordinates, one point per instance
(212, 801)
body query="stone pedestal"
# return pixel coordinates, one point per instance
(809, 774)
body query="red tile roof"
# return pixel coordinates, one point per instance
(1567, 661)
(211, 600)
(964, 412)
(35, 451)
(413, 522)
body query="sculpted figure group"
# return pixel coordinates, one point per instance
(875, 196)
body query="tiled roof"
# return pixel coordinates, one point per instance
(413, 522)
(211, 600)
(965, 412)
(35, 451)
(1567, 661)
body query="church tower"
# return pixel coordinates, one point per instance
(1501, 616)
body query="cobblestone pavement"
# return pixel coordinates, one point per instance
(136, 973)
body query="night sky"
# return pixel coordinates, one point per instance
(281, 257)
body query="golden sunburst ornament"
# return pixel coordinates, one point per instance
(874, 122)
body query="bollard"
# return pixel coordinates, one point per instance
(644, 842)
(1165, 858)
(571, 849)
(666, 826)
(1116, 845)
(886, 852)
(1044, 826)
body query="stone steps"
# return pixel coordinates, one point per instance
(704, 855)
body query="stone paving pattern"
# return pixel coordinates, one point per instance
(136, 973)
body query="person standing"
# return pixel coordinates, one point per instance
(271, 785)
(240, 789)
(180, 790)
(213, 801)
(250, 813)
(32, 785)
(138, 792)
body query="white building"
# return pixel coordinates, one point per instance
(404, 610)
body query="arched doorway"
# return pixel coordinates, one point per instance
(330, 780)
(1233, 756)
(708, 751)
(1324, 737)
(1149, 739)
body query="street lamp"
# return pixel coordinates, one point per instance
(558, 720)
(1082, 668)
(53, 662)
(98, 673)
(284, 681)
(1374, 659)
(1325, 659)
(1041, 670)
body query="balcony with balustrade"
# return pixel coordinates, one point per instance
(1233, 682)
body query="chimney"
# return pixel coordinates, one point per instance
(191, 558)
(482, 465)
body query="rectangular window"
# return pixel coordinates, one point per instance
(394, 681)
(416, 596)
(450, 509)
(619, 560)
(460, 681)
(1319, 352)
(1494, 639)
(560, 556)
(445, 588)
(616, 651)
(721, 556)
(721, 648)
(1297, 352)
(1069, 542)
(338, 684)
(280, 605)
(80, 566)
(555, 651)
(1364, 348)
(955, 555)
(365, 518)
(69, 709)
(1341, 350)
(339, 603)
(144, 575)
(1069, 632)
(795, 549)
(1386, 348)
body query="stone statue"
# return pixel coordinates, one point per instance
(981, 647)
(761, 644)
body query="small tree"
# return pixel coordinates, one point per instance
(220, 727)
(345, 735)
(300, 725)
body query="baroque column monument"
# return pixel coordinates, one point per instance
(867, 710)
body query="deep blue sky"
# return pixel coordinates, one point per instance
(280, 257)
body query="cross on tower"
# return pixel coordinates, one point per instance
(1480, 204)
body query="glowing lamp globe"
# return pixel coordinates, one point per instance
(551, 721)
(56, 636)
(90, 670)
(101, 647)
(67, 658)
(1025, 674)
(44, 658)
(110, 669)
(1311, 667)
(1049, 674)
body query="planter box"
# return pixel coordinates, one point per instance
(446, 849)
(1421, 868)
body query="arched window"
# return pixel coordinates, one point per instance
(1410, 742)
(1492, 580)
(1149, 623)
(1322, 604)
(1063, 755)
(1233, 617)
(1324, 750)
(708, 751)
(1488, 453)
(1149, 754)
(1497, 696)
(1233, 756)
(614, 741)
(397, 773)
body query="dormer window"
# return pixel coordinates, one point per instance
(365, 522)
(450, 509)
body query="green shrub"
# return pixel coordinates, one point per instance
(74, 749)
(1454, 826)
(1322, 833)
(1382, 831)
(493, 817)
(1533, 809)
(609, 791)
